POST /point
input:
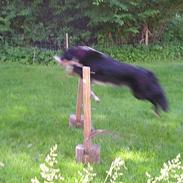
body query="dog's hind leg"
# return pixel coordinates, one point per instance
(156, 109)
(95, 97)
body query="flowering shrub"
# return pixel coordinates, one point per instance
(172, 171)
(49, 173)
(87, 175)
(114, 171)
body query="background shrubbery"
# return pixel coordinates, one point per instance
(90, 22)
(132, 54)
(153, 53)
(26, 55)
(30, 29)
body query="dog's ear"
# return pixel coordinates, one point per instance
(68, 55)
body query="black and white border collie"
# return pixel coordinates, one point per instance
(104, 69)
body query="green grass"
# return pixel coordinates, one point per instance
(36, 101)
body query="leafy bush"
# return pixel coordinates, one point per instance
(132, 54)
(50, 20)
(174, 30)
(153, 53)
(25, 55)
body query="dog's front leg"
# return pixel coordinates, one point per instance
(95, 97)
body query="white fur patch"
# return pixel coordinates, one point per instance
(69, 68)
(103, 83)
(95, 97)
(57, 58)
(87, 48)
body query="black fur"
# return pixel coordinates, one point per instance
(142, 82)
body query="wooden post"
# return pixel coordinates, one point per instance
(87, 108)
(66, 41)
(76, 120)
(79, 101)
(87, 152)
(146, 36)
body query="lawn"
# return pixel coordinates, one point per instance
(36, 101)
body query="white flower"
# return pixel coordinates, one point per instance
(172, 171)
(87, 175)
(49, 173)
(1, 164)
(35, 180)
(113, 172)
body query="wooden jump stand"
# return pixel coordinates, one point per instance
(77, 120)
(86, 152)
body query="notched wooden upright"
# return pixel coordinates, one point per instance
(77, 120)
(87, 152)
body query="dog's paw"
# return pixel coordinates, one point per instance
(156, 113)
(97, 99)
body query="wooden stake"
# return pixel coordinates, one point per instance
(78, 120)
(147, 36)
(66, 41)
(79, 101)
(87, 152)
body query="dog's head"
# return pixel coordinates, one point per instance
(78, 54)
(76, 57)
(71, 58)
